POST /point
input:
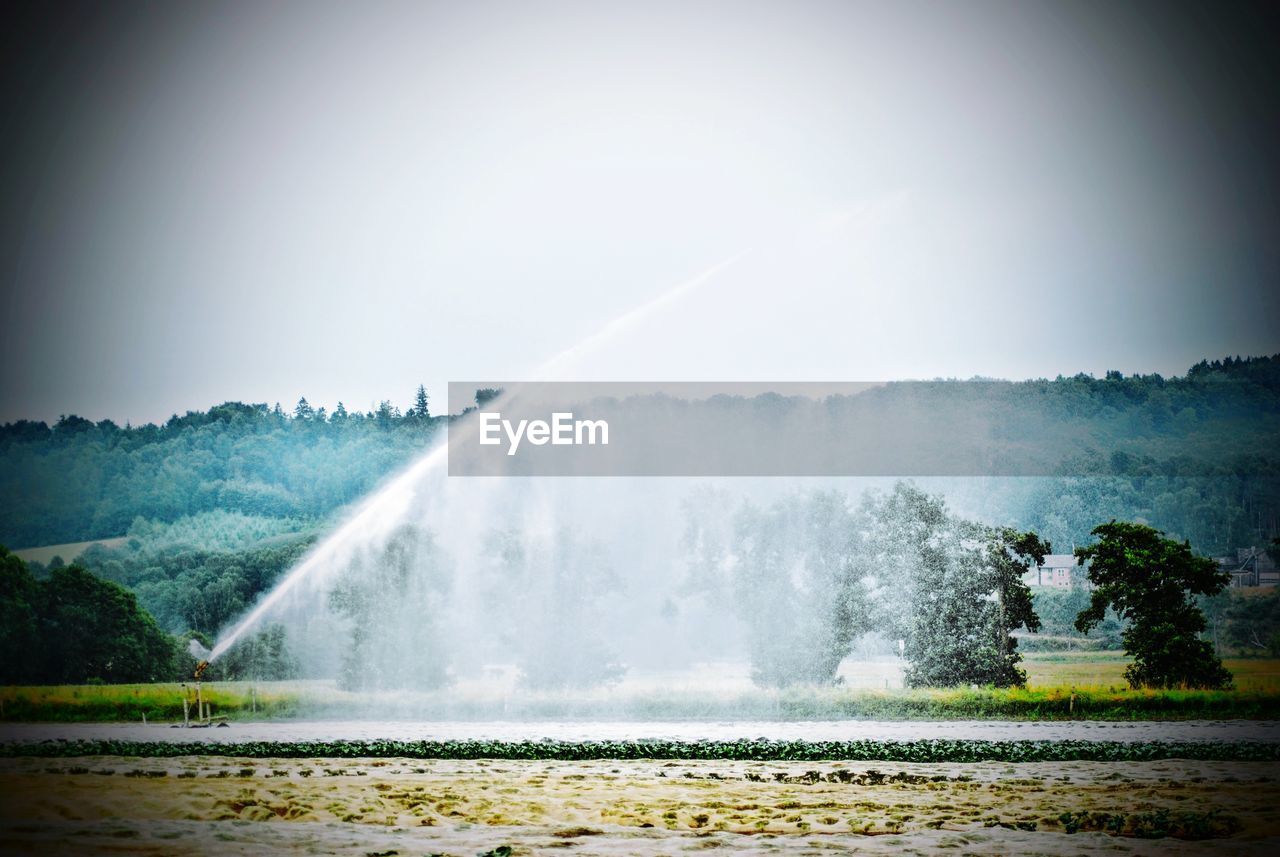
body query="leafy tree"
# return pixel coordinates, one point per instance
(94, 629)
(21, 649)
(1010, 554)
(485, 395)
(387, 415)
(263, 656)
(962, 594)
(1146, 578)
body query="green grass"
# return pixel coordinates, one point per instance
(128, 703)
(929, 751)
(1061, 686)
(158, 702)
(1106, 670)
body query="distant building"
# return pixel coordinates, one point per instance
(1058, 569)
(1250, 567)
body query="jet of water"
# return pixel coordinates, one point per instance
(389, 504)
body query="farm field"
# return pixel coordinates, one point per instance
(212, 805)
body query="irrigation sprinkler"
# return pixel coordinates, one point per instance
(199, 676)
(202, 713)
(204, 710)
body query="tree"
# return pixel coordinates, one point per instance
(303, 410)
(1252, 621)
(94, 629)
(393, 598)
(800, 569)
(485, 395)
(962, 591)
(387, 415)
(1010, 555)
(263, 656)
(544, 594)
(420, 411)
(1146, 578)
(21, 653)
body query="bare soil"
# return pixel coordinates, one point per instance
(208, 805)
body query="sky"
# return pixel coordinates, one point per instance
(258, 201)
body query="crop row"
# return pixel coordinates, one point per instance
(754, 750)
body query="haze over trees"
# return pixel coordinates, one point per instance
(393, 602)
(541, 591)
(814, 572)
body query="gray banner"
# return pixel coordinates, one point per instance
(925, 428)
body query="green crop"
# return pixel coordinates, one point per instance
(754, 750)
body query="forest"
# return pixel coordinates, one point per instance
(213, 507)
(79, 480)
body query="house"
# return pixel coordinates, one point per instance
(1250, 567)
(1058, 569)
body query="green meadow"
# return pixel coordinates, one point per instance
(1064, 686)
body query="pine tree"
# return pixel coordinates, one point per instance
(419, 410)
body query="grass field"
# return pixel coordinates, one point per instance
(1060, 686)
(1106, 670)
(68, 551)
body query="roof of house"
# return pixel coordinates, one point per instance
(1059, 560)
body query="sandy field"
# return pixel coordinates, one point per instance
(380, 807)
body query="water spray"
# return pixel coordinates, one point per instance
(393, 499)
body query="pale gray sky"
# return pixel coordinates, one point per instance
(257, 201)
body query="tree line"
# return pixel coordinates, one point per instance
(808, 575)
(71, 626)
(1218, 485)
(79, 480)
